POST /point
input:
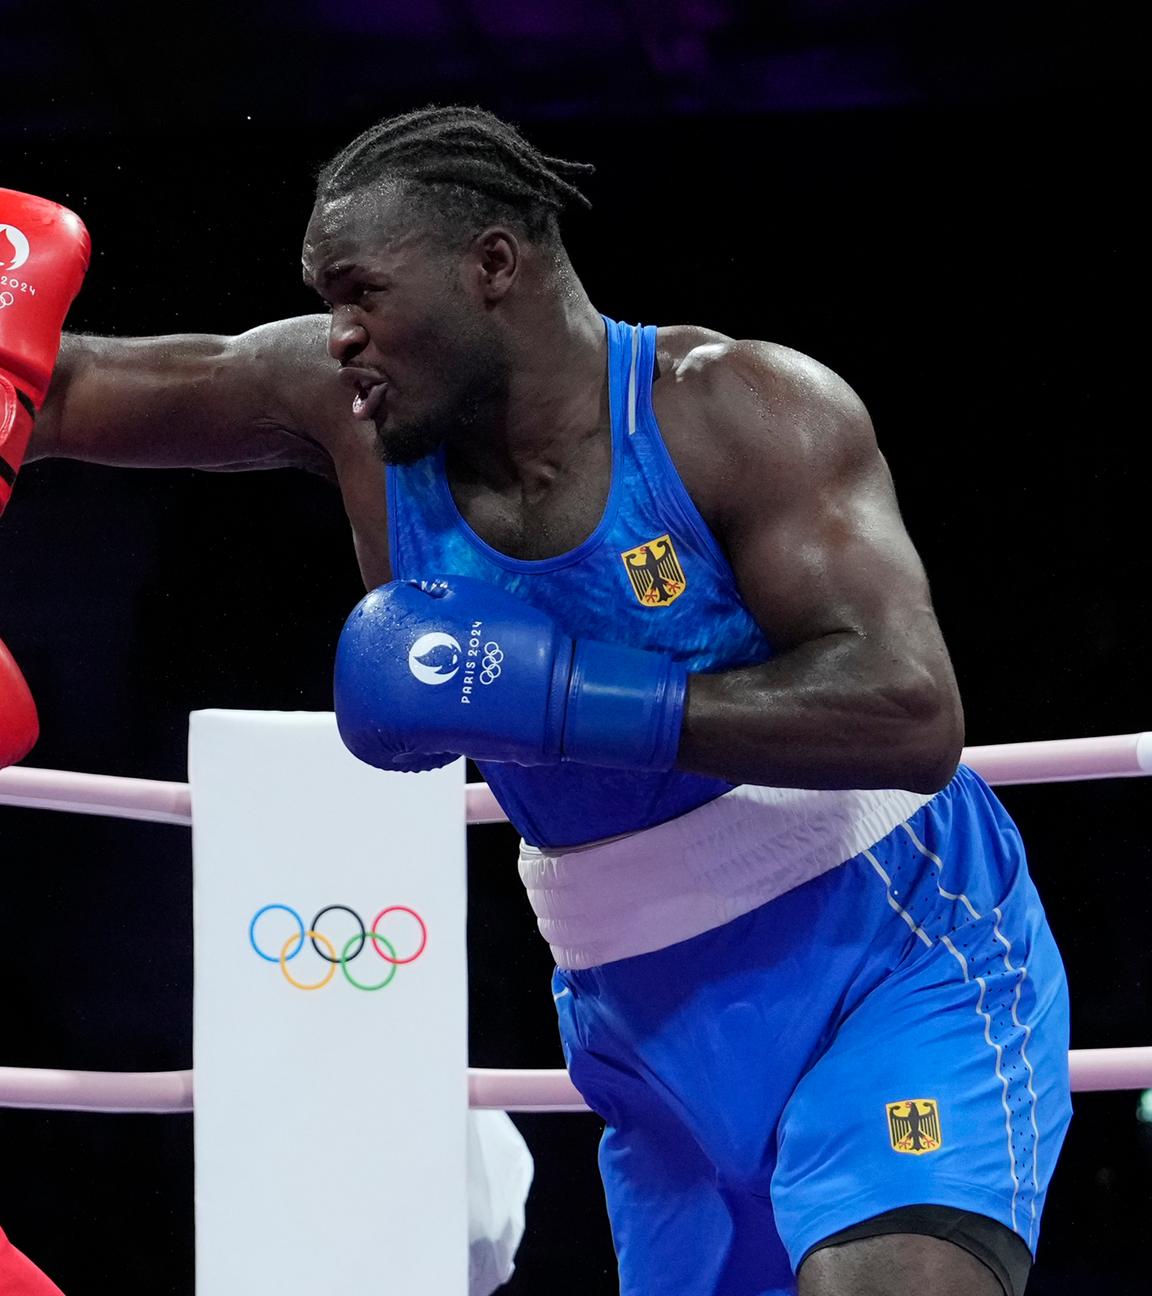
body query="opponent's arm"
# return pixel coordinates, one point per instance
(861, 692)
(268, 398)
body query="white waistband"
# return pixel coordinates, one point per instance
(634, 894)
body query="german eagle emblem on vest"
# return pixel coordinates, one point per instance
(655, 572)
(914, 1126)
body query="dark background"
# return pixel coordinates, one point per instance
(935, 199)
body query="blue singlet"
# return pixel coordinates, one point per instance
(651, 575)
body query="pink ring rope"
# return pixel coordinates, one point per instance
(1119, 756)
(1056, 761)
(160, 1092)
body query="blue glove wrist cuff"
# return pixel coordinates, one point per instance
(625, 707)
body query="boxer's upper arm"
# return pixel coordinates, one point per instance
(267, 398)
(808, 515)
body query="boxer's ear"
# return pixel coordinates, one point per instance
(497, 257)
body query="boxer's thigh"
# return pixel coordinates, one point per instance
(904, 1264)
(947, 1086)
(691, 1053)
(675, 1226)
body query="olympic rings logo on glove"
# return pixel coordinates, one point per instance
(490, 663)
(366, 935)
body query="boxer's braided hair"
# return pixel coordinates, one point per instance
(464, 166)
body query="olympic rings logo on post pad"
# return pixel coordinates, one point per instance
(326, 949)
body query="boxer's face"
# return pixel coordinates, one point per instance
(423, 359)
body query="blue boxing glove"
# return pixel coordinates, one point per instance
(456, 665)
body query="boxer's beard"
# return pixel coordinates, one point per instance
(473, 404)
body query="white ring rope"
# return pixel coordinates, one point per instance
(1063, 760)
(158, 1092)
(1056, 761)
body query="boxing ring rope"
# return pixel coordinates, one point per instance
(1056, 761)
(161, 1092)
(150, 799)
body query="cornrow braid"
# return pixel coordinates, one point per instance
(471, 166)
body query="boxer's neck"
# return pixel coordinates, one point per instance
(557, 390)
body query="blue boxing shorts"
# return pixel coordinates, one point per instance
(891, 1032)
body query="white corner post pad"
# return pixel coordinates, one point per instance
(331, 1069)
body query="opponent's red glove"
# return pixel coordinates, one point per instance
(19, 727)
(44, 252)
(19, 1276)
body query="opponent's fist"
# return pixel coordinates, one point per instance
(453, 664)
(19, 726)
(44, 254)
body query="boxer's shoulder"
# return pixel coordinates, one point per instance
(289, 361)
(715, 375)
(299, 340)
(727, 407)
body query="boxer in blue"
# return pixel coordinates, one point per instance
(656, 582)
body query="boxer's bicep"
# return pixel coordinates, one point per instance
(814, 531)
(264, 399)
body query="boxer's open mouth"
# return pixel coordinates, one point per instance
(369, 389)
(368, 400)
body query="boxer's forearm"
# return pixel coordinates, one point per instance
(840, 712)
(126, 401)
(183, 401)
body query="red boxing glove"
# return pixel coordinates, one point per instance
(19, 1276)
(19, 726)
(15, 429)
(44, 253)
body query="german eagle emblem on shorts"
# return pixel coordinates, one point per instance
(655, 572)
(914, 1125)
